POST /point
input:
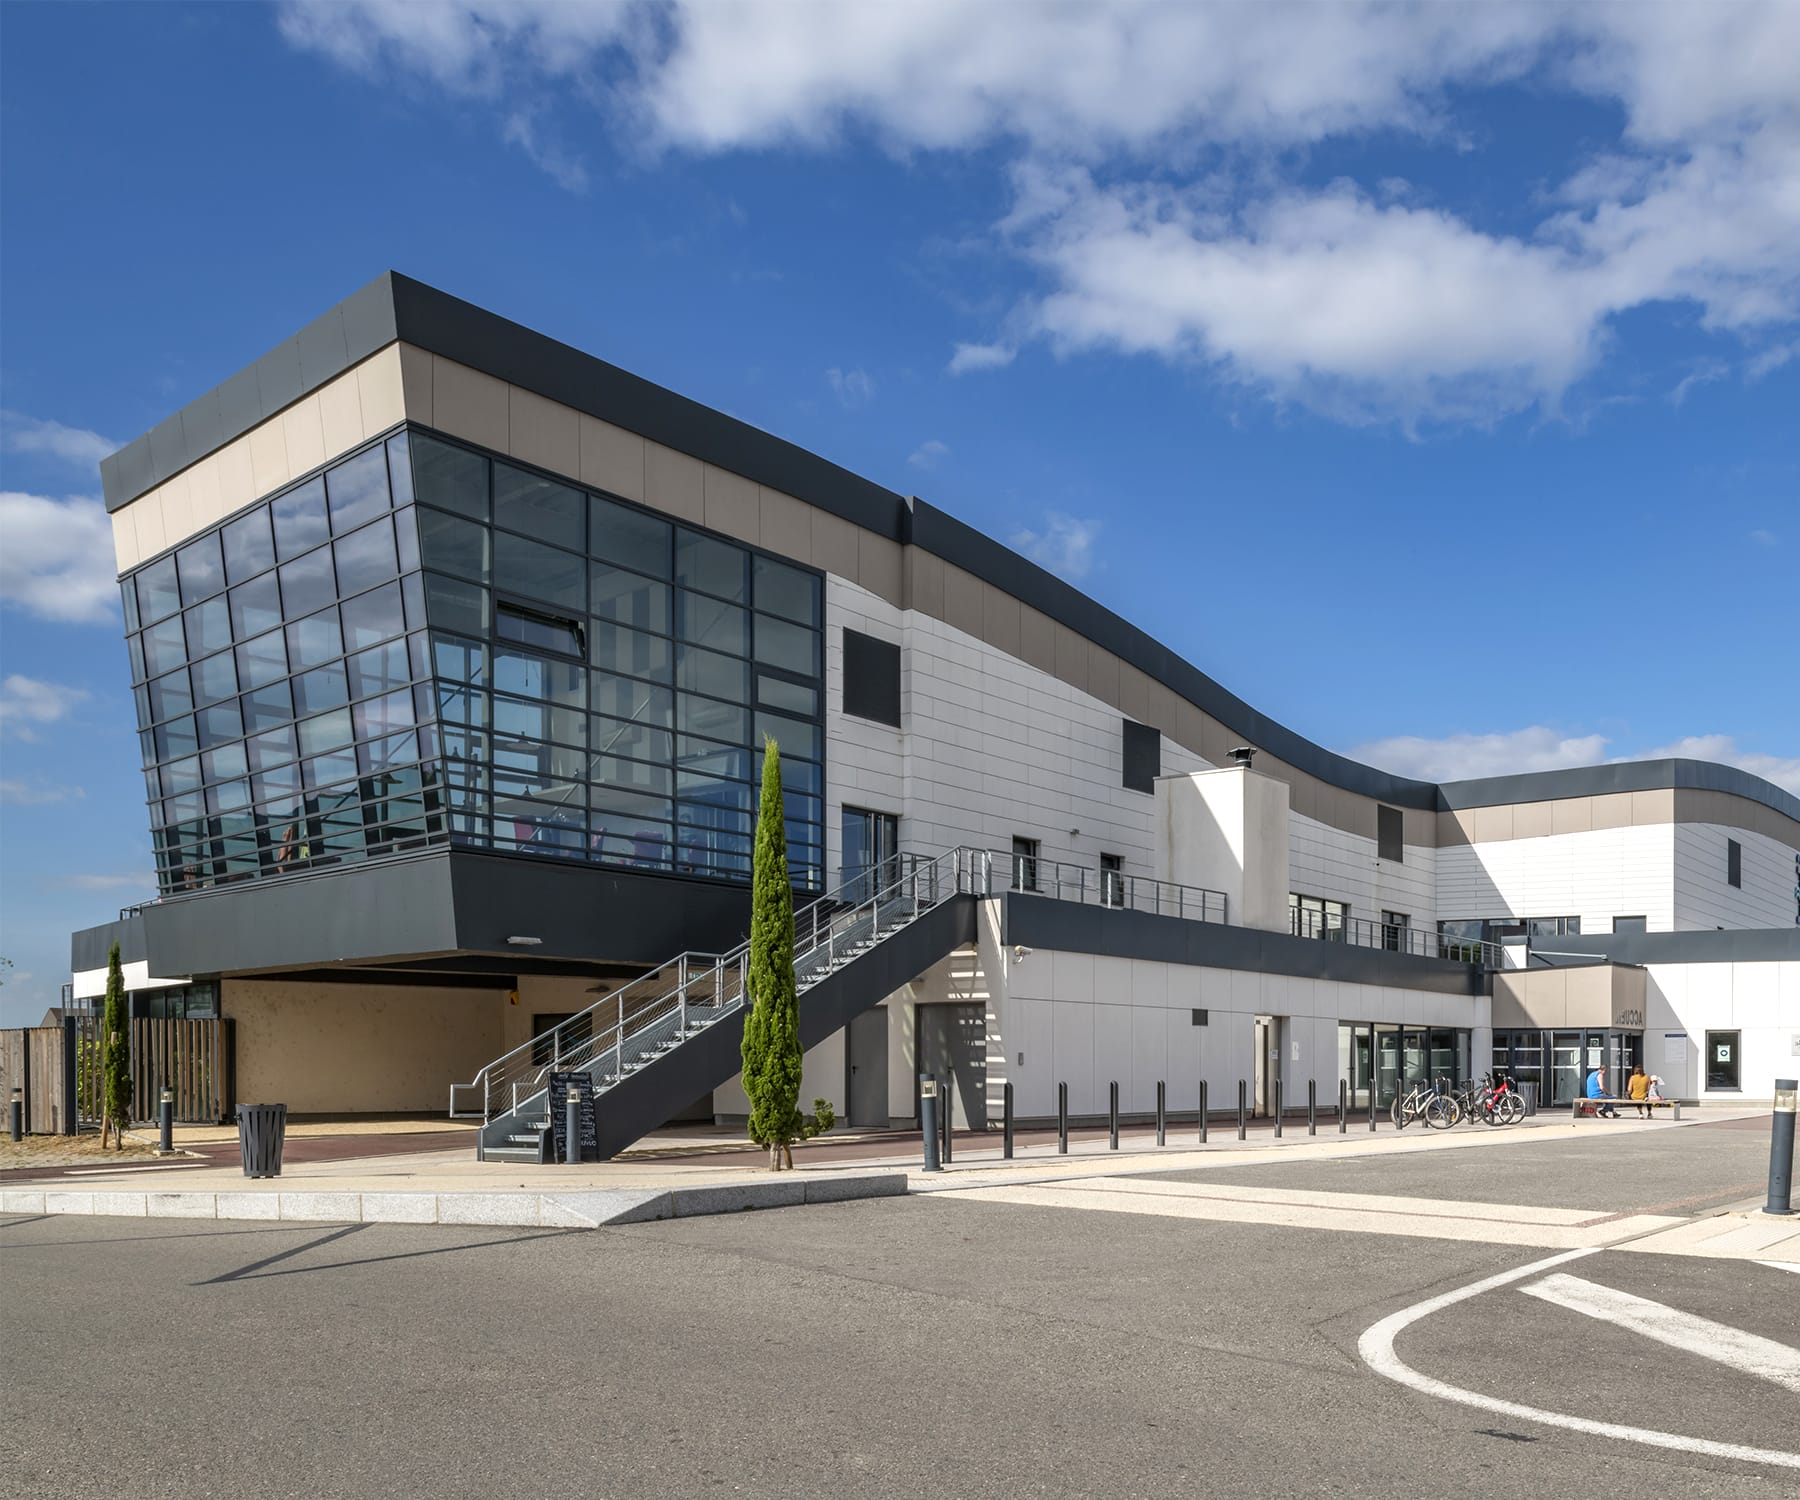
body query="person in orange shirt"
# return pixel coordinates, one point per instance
(1638, 1090)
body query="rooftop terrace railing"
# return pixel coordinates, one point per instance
(1395, 937)
(1035, 876)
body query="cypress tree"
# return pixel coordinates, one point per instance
(115, 1055)
(772, 1055)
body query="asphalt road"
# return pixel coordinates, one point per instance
(890, 1347)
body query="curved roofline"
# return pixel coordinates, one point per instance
(396, 308)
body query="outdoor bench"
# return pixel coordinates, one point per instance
(1587, 1106)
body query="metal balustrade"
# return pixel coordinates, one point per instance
(1418, 942)
(1035, 876)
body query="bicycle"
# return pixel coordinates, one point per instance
(1423, 1103)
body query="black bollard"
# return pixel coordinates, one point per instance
(1312, 1106)
(165, 1119)
(1162, 1113)
(1062, 1119)
(1781, 1149)
(1343, 1107)
(572, 1119)
(928, 1125)
(1371, 1106)
(1243, 1107)
(1202, 1111)
(1006, 1121)
(16, 1110)
(1112, 1114)
(1278, 1109)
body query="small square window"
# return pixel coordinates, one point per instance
(871, 678)
(1141, 756)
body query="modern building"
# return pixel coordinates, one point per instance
(454, 650)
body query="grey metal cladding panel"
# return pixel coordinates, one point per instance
(1069, 927)
(1741, 945)
(587, 912)
(957, 542)
(1626, 776)
(485, 341)
(168, 448)
(134, 471)
(91, 948)
(322, 349)
(112, 488)
(278, 382)
(382, 909)
(368, 316)
(203, 426)
(240, 403)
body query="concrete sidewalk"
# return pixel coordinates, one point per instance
(451, 1187)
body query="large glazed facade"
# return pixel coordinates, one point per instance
(454, 649)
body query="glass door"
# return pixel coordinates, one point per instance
(1567, 1080)
(871, 852)
(1387, 1064)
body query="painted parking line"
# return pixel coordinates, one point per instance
(1376, 1347)
(1780, 1265)
(1747, 1352)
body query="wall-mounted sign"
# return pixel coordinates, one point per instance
(1722, 1052)
(1628, 1018)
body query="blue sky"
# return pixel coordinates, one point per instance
(1430, 377)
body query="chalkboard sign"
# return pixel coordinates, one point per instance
(560, 1084)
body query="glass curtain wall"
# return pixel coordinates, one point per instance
(279, 693)
(606, 676)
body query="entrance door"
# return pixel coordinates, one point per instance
(953, 1045)
(1567, 1077)
(871, 852)
(868, 1089)
(1268, 1064)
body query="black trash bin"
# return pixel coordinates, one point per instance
(261, 1130)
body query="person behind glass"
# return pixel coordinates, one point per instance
(1638, 1089)
(1596, 1090)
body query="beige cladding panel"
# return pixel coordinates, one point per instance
(544, 433)
(1037, 638)
(353, 1048)
(1611, 810)
(468, 404)
(1588, 996)
(733, 504)
(879, 567)
(834, 544)
(1000, 619)
(611, 458)
(925, 582)
(1533, 820)
(787, 525)
(1538, 997)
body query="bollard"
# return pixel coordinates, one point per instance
(1312, 1106)
(947, 1111)
(928, 1126)
(1277, 1109)
(1062, 1119)
(1243, 1104)
(1343, 1107)
(1781, 1149)
(1371, 1106)
(1202, 1111)
(1006, 1121)
(572, 1122)
(1162, 1113)
(17, 1112)
(165, 1119)
(1112, 1114)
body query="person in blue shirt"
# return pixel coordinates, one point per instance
(1596, 1089)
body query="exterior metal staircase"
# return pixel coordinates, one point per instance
(672, 1034)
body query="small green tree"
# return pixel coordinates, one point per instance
(771, 1052)
(115, 1056)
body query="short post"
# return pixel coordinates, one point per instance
(1006, 1120)
(572, 1122)
(165, 1120)
(1202, 1111)
(1312, 1106)
(1343, 1107)
(1371, 1106)
(1243, 1108)
(16, 1113)
(1162, 1113)
(944, 1113)
(1781, 1149)
(928, 1125)
(1112, 1114)
(1277, 1109)
(1062, 1119)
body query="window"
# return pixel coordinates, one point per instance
(1390, 834)
(1722, 1060)
(1734, 864)
(1539, 928)
(1112, 880)
(1394, 925)
(1025, 864)
(870, 852)
(530, 628)
(1140, 754)
(1317, 917)
(871, 678)
(1630, 924)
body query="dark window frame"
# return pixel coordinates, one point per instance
(1390, 834)
(1734, 864)
(872, 679)
(1140, 756)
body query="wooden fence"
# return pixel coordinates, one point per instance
(192, 1057)
(31, 1059)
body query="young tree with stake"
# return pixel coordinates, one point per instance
(115, 1056)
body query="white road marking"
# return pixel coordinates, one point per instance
(1748, 1352)
(1376, 1347)
(1780, 1265)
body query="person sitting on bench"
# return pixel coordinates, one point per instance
(1638, 1088)
(1596, 1090)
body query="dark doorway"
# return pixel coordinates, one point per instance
(868, 1088)
(953, 1045)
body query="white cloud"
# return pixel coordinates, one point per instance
(1464, 757)
(37, 794)
(929, 454)
(75, 446)
(1771, 360)
(967, 357)
(56, 558)
(853, 388)
(569, 172)
(1765, 538)
(1063, 544)
(28, 704)
(1708, 371)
